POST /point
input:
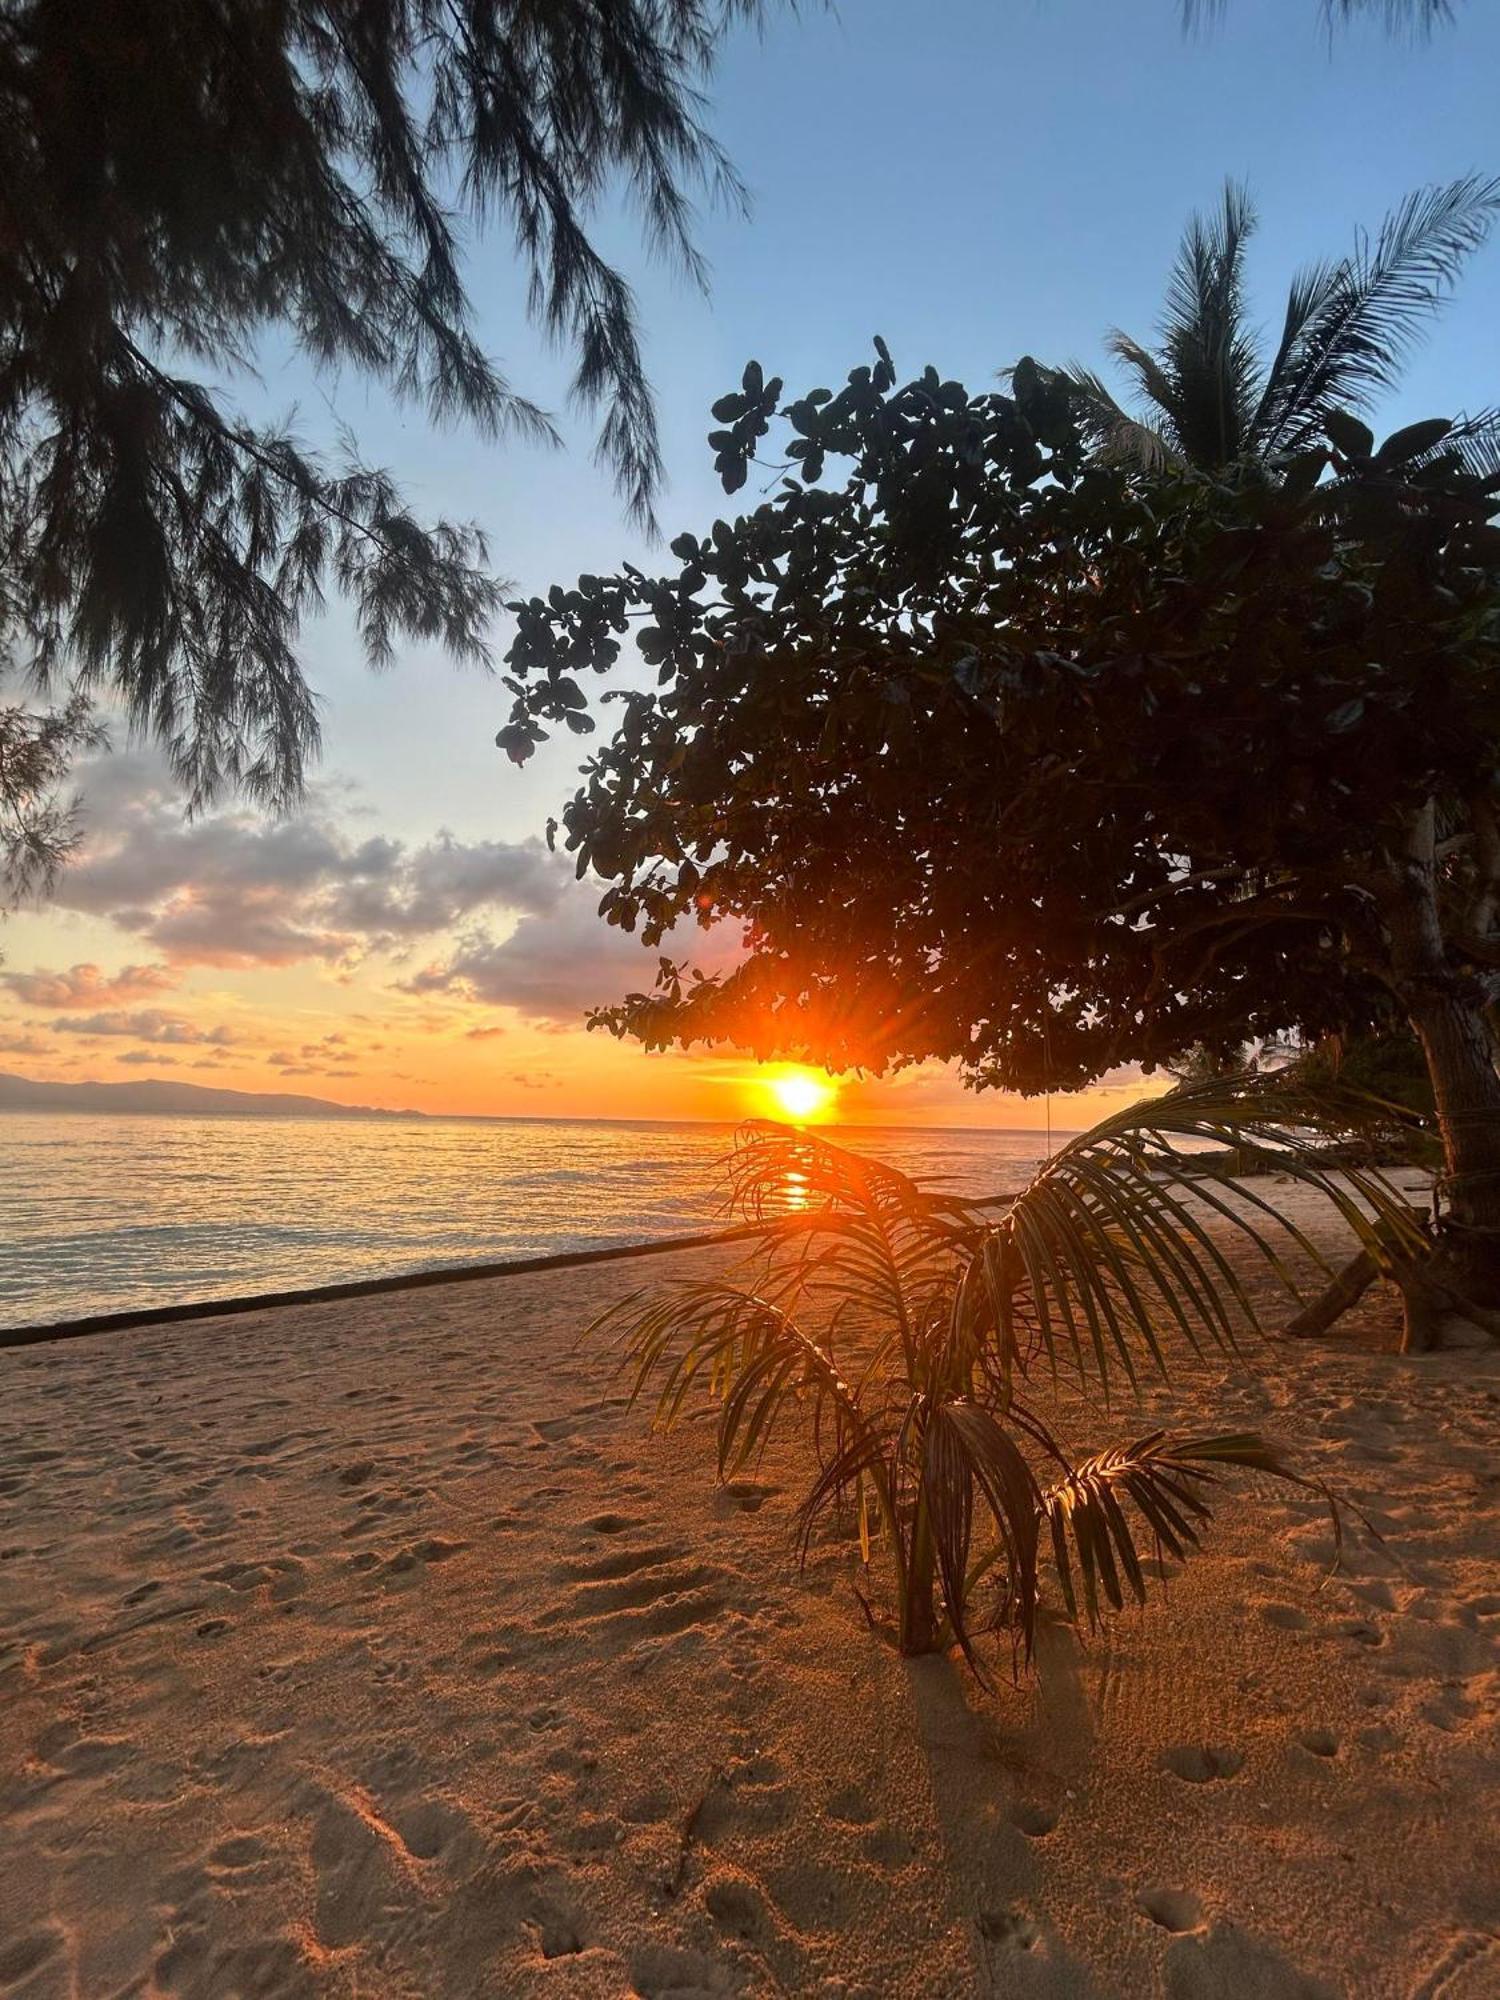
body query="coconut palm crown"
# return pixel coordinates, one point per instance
(1210, 394)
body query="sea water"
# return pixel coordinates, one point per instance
(115, 1213)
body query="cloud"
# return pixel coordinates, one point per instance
(151, 1056)
(88, 986)
(553, 968)
(25, 1045)
(439, 884)
(483, 1034)
(236, 889)
(150, 1025)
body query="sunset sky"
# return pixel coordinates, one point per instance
(407, 940)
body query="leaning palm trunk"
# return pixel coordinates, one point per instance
(903, 1329)
(1424, 923)
(1448, 1005)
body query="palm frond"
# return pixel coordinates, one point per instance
(1151, 379)
(967, 1454)
(1118, 437)
(1373, 307)
(1308, 295)
(860, 1232)
(1095, 1544)
(1208, 351)
(1473, 443)
(742, 1348)
(1107, 1241)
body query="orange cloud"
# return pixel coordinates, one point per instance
(89, 986)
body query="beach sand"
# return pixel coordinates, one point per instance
(373, 1648)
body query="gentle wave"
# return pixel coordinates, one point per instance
(107, 1214)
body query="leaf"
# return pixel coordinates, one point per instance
(1354, 439)
(1301, 473)
(1163, 1478)
(1415, 441)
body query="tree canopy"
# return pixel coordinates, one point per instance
(1039, 764)
(178, 181)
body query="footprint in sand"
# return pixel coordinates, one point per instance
(559, 1933)
(238, 1852)
(888, 1847)
(552, 1430)
(661, 1972)
(1321, 1742)
(1176, 1910)
(851, 1806)
(1201, 1763)
(738, 1906)
(621, 1562)
(609, 1524)
(1285, 1617)
(1011, 1928)
(418, 1555)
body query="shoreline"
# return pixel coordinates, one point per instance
(128, 1318)
(354, 1288)
(132, 1317)
(376, 1646)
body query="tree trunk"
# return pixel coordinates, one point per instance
(1343, 1292)
(919, 1619)
(1447, 1006)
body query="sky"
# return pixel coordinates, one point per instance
(971, 179)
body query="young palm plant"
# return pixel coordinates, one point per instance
(901, 1330)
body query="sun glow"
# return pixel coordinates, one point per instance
(801, 1095)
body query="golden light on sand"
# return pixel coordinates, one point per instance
(802, 1096)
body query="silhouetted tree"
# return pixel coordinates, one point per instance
(181, 178)
(1016, 759)
(38, 821)
(1210, 395)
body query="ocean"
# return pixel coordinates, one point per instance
(113, 1213)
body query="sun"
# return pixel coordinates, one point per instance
(800, 1095)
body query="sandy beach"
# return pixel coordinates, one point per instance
(373, 1648)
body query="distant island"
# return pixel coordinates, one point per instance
(161, 1094)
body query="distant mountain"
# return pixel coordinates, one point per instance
(160, 1094)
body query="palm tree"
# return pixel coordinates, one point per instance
(902, 1329)
(1211, 396)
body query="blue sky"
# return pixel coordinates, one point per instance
(972, 179)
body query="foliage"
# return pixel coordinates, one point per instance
(38, 826)
(901, 1330)
(1419, 17)
(182, 182)
(1389, 1067)
(1209, 395)
(1039, 765)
